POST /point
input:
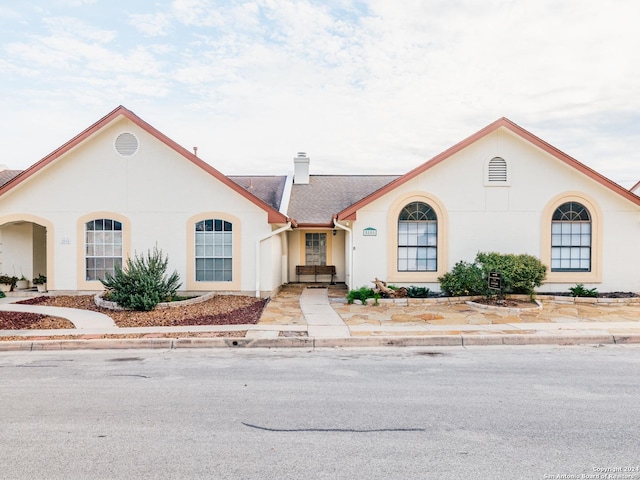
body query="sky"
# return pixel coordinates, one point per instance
(361, 86)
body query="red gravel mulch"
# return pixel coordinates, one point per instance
(219, 310)
(31, 321)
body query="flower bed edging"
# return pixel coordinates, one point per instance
(101, 302)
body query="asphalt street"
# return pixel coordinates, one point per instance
(527, 412)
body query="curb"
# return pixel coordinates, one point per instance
(306, 342)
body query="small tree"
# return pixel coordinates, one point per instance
(464, 279)
(143, 282)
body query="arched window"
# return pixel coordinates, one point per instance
(571, 238)
(214, 250)
(417, 238)
(103, 248)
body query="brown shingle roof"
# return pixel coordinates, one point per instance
(8, 175)
(269, 189)
(326, 195)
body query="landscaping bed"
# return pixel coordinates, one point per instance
(31, 321)
(219, 310)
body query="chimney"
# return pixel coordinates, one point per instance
(301, 169)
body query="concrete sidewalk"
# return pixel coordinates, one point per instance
(315, 317)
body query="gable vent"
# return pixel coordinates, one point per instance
(126, 144)
(497, 171)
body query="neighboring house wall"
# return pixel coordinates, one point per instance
(158, 196)
(514, 218)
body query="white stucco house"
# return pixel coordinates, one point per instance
(121, 187)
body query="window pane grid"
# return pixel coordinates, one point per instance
(571, 238)
(315, 249)
(103, 248)
(417, 238)
(214, 251)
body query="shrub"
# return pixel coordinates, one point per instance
(580, 291)
(143, 283)
(464, 279)
(417, 292)
(9, 280)
(519, 273)
(362, 294)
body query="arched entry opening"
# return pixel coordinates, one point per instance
(25, 247)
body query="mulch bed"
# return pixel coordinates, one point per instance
(219, 310)
(31, 321)
(507, 303)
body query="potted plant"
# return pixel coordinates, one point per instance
(22, 283)
(7, 282)
(41, 282)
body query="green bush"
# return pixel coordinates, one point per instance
(464, 279)
(580, 291)
(519, 273)
(417, 292)
(143, 283)
(362, 294)
(9, 280)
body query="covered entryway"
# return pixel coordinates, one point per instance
(24, 247)
(316, 255)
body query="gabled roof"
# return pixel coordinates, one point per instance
(314, 204)
(267, 188)
(8, 175)
(273, 215)
(349, 213)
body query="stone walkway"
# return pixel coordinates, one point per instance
(406, 317)
(411, 317)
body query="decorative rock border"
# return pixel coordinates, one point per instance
(539, 298)
(513, 310)
(101, 302)
(594, 300)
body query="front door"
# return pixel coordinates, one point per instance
(316, 249)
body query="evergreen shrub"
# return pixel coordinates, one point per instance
(143, 283)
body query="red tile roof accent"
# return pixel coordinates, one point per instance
(273, 215)
(350, 212)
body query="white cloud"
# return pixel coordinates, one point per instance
(197, 12)
(74, 3)
(375, 86)
(151, 24)
(75, 28)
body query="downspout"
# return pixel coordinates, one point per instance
(350, 250)
(258, 242)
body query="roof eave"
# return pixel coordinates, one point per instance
(273, 215)
(349, 213)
